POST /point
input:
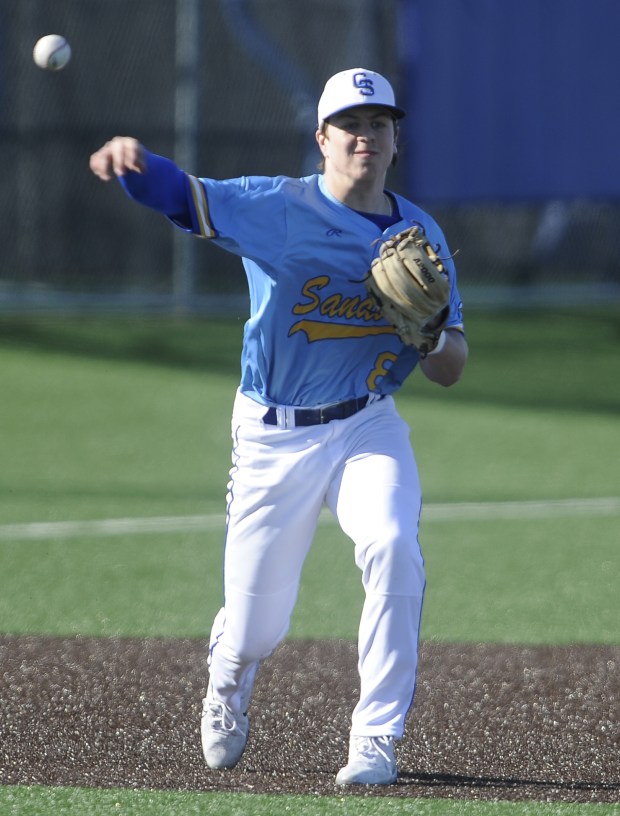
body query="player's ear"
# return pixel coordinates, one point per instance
(321, 138)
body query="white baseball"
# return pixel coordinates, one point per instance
(52, 52)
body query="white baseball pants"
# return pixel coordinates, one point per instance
(364, 469)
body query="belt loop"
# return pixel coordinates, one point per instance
(285, 416)
(289, 417)
(281, 416)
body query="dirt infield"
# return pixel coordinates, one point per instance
(489, 722)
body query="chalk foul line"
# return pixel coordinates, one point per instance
(457, 511)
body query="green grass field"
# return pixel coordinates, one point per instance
(37, 801)
(129, 418)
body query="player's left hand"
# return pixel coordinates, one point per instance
(411, 287)
(116, 157)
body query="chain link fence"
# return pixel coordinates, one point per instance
(226, 88)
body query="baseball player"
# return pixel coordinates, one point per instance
(314, 421)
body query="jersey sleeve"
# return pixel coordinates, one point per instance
(455, 318)
(161, 187)
(245, 215)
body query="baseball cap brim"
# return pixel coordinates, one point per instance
(398, 113)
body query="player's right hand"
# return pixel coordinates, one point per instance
(116, 157)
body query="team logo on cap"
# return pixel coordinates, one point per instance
(364, 84)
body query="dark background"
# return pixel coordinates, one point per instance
(511, 138)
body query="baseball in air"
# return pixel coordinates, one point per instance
(52, 52)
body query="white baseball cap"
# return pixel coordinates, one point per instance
(356, 86)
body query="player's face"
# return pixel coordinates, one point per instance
(359, 142)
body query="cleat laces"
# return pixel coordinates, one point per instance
(222, 719)
(369, 747)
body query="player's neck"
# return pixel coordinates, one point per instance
(366, 197)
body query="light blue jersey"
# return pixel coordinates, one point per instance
(313, 336)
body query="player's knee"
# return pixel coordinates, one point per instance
(249, 653)
(260, 644)
(394, 565)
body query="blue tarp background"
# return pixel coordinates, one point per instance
(512, 99)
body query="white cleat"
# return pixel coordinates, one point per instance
(224, 734)
(371, 762)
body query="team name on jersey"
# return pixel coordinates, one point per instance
(335, 307)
